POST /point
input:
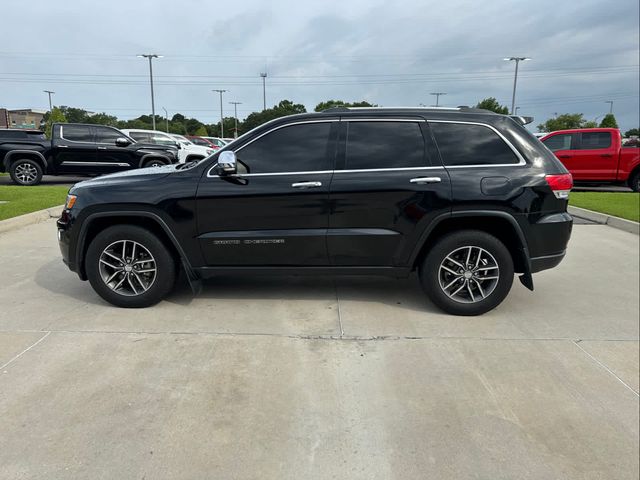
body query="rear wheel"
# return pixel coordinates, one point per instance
(467, 272)
(26, 172)
(634, 182)
(129, 266)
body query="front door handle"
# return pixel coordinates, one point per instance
(306, 184)
(606, 155)
(63, 146)
(102, 148)
(422, 180)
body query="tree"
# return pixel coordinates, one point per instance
(339, 103)
(565, 121)
(609, 121)
(492, 105)
(102, 119)
(55, 116)
(201, 131)
(590, 124)
(634, 132)
(284, 108)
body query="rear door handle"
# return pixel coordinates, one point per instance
(306, 184)
(422, 180)
(606, 155)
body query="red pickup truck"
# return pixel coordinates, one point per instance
(596, 156)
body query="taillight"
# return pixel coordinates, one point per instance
(560, 184)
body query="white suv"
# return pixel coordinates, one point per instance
(187, 151)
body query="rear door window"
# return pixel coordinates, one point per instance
(558, 142)
(463, 144)
(595, 140)
(77, 133)
(385, 144)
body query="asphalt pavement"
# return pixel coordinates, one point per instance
(305, 378)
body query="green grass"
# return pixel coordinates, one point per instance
(624, 205)
(23, 200)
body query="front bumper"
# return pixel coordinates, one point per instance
(63, 225)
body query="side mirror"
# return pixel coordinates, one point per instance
(227, 162)
(122, 142)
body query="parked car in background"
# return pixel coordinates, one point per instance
(187, 151)
(383, 191)
(203, 142)
(76, 149)
(216, 141)
(596, 156)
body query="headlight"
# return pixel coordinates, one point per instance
(71, 201)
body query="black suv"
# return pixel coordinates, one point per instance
(466, 197)
(75, 149)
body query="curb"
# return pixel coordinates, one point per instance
(30, 218)
(604, 219)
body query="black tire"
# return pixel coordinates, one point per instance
(454, 245)
(26, 172)
(164, 263)
(154, 162)
(634, 182)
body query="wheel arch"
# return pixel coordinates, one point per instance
(25, 154)
(153, 156)
(502, 225)
(97, 222)
(632, 175)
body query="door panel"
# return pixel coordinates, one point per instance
(109, 157)
(75, 150)
(274, 211)
(595, 159)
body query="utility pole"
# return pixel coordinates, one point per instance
(166, 120)
(50, 93)
(610, 102)
(515, 79)
(517, 108)
(437, 94)
(264, 90)
(235, 116)
(221, 117)
(151, 56)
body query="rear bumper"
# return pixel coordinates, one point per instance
(546, 262)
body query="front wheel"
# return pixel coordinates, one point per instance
(129, 266)
(26, 172)
(468, 272)
(155, 162)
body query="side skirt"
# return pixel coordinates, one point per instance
(396, 272)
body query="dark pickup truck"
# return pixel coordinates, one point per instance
(76, 149)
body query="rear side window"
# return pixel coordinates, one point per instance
(558, 142)
(466, 144)
(595, 140)
(296, 148)
(77, 133)
(384, 145)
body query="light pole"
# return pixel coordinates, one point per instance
(221, 117)
(166, 120)
(235, 116)
(517, 108)
(515, 79)
(50, 93)
(437, 94)
(264, 90)
(151, 56)
(610, 102)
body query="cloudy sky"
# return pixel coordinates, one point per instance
(387, 52)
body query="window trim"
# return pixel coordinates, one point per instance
(521, 161)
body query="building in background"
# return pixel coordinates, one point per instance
(26, 118)
(4, 118)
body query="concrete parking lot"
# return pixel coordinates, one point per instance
(320, 377)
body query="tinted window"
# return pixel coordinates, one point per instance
(36, 136)
(15, 134)
(160, 139)
(107, 135)
(200, 141)
(298, 148)
(384, 145)
(139, 136)
(558, 142)
(464, 144)
(595, 140)
(77, 133)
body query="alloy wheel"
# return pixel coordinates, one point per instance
(127, 267)
(26, 173)
(468, 274)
